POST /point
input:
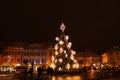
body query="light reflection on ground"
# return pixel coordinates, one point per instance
(66, 78)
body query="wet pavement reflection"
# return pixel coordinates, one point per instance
(83, 76)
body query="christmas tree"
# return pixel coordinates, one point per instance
(63, 59)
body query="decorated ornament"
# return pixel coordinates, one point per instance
(56, 61)
(57, 39)
(61, 42)
(56, 47)
(56, 53)
(62, 27)
(60, 69)
(66, 55)
(60, 60)
(53, 58)
(68, 66)
(61, 50)
(64, 51)
(66, 37)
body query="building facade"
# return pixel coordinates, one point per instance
(35, 55)
(88, 59)
(111, 58)
(12, 55)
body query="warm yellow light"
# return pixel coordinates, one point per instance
(60, 60)
(61, 42)
(52, 65)
(68, 66)
(17, 64)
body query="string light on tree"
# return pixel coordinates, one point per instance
(68, 66)
(60, 60)
(64, 55)
(56, 47)
(56, 53)
(57, 39)
(66, 37)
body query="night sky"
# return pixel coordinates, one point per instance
(91, 24)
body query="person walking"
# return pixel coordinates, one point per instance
(39, 71)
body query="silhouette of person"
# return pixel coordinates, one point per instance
(39, 70)
(31, 71)
(51, 71)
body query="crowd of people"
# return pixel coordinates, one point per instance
(40, 71)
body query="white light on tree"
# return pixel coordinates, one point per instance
(61, 50)
(56, 53)
(60, 60)
(68, 66)
(66, 37)
(53, 58)
(77, 65)
(74, 66)
(56, 47)
(60, 69)
(69, 45)
(72, 57)
(66, 55)
(61, 42)
(57, 39)
(52, 65)
(64, 51)
(75, 61)
(73, 52)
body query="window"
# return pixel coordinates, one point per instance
(24, 54)
(30, 53)
(43, 60)
(18, 59)
(117, 53)
(36, 54)
(33, 54)
(42, 53)
(6, 53)
(5, 59)
(110, 53)
(12, 53)
(27, 53)
(45, 54)
(18, 52)
(12, 60)
(50, 53)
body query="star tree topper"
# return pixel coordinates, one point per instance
(62, 27)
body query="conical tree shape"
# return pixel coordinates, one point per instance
(63, 58)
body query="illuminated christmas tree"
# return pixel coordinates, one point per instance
(63, 59)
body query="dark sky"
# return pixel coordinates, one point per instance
(92, 24)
